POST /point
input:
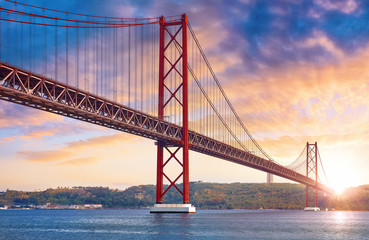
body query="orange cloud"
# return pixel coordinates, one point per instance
(305, 99)
(4, 140)
(79, 161)
(90, 150)
(101, 141)
(45, 156)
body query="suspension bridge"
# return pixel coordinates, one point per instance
(144, 76)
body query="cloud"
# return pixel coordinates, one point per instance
(64, 128)
(79, 161)
(345, 6)
(28, 124)
(101, 141)
(39, 134)
(45, 155)
(16, 115)
(320, 39)
(304, 99)
(286, 148)
(5, 140)
(79, 153)
(296, 71)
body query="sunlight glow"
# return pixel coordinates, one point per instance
(339, 215)
(341, 177)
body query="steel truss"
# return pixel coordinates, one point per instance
(37, 91)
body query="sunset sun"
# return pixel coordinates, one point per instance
(341, 177)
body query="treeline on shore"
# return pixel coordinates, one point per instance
(202, 195)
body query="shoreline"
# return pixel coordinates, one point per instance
(147, 208)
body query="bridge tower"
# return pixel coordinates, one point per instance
(312, 170)
(175, 38)
(270, 178)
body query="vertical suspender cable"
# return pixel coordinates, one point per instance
(85, 58)
(1, 39)
(135, 67)
(156, 54)
(22, 45)
(192, 88)
(152, 71)
(105, 51)
(175, 86)
(15, 39)
(129, 66)
(144, 75)
(77, 55)
(108, 65)
(98, 77)
(98, 60)
(207, 104)
(115, 55)
(141, 67)
(30, 44)
(101, 59)
(9, 42)
(107, 68)
(123, 52)
(170, 83)
(56, 50)
(45, 50)
(34, 53)
(66, 53)
(95, 60)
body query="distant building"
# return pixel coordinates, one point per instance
(75, 206)
(269, 178)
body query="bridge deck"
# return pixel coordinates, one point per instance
(36, 91)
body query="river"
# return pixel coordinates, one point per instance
(205, 224)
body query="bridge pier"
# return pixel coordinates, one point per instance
(167, 66)
(312, 168)
(173, 208)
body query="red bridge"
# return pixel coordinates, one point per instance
(148, 77)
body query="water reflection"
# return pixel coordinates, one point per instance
(172, 223)
(204, 225)
(161, 218)
(340, 216)
(186, 219)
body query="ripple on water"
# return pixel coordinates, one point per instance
(205, 224)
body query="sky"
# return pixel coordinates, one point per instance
(304, 74)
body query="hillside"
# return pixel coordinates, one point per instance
(202, 195)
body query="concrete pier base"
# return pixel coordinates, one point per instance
(173, 208)
(315, 209)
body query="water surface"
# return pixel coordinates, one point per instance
(205, 224)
